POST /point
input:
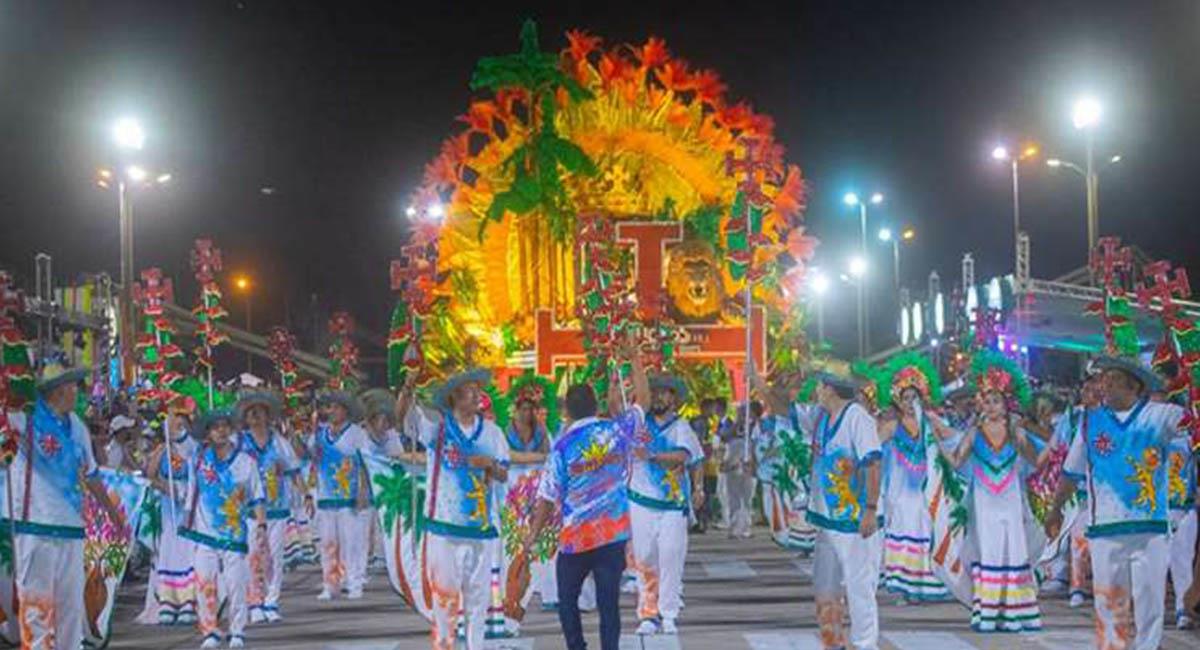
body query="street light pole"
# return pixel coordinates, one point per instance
(128, 317)
(864, 320)
(1093, 207)
(249, 357)
(896, 264)
(1016, 210)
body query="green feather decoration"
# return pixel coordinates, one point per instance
(915, 360)
(988, 360)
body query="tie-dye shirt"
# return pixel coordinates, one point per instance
(277, 465)
(338, 464)
(1181, 475)
(842, 448)
(61, 459)
(221, 498)
(652, 485)
(586, 475)
(1122, 458)
(462, 500)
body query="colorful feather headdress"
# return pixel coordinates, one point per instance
(994, 372)
(912, 369)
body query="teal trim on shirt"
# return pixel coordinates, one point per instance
(213, 542)
(837, 525)
(445, 529)
(1128, 528)
(656, 504)
(45, 530)
(279, 513)
(334, 504)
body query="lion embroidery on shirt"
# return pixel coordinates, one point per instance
(1143, 478)
(839, 486)
(1176, 485)
(341, 477)
(477, 498)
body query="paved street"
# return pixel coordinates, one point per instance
(739, 595)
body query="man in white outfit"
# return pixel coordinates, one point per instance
(342, 495)
(466, 457)
(844, 508)
(665, 452)
(52, 470)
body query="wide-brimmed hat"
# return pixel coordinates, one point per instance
(480, 376)
(353, 407)
(672, 383)
(836, 380)
(205, 422)
(1149, 379)
(54, 375)
(264, 398)
(378, 401)
(121, 422)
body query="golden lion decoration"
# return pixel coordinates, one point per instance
(694, 282)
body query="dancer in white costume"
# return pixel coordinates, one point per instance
(385, 441)
(224, 487)
(466, 454)
(171, 594)
(660, 484)
(279, 473)
(1121, 455)
(844, 506)
(528, 443)
(737, 466)
(909, 381)
(1000, 455)
(342, 496)
(52, 469)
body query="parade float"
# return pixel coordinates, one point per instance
(593, 194)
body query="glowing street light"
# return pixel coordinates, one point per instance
(876, 198)
(850, 199)
(128, 134)
(908, 234)
(885, 234)
(858, 266)
(437, 210)
(411, 211)
(864, 317)
(820, 284)
(136, 174)
(163, 179)
(1001, 153)
(1086, 113)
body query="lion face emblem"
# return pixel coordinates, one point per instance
(694, 281)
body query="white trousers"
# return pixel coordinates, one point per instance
(459, 572)
(266, 566)
(723, 498)
(221, 573)
(343, 536)
(846, 573)
(1183, 552)
(50, 580)
(740, 488)
(660, 540)
(1129, 580)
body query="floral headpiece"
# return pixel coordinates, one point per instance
(911, 369)
(994, 372)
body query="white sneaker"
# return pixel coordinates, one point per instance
(668, 626)
(237, 642)
(273, 616)
(1076, 601)
(1183, 622)
(257, 616)
(647, 628)
(325, 595)
(210, 642)
(629, 587)
(354, 594)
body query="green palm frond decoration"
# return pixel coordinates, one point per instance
(6, 550)
(796, 465)
(952, 486)
(394, 498)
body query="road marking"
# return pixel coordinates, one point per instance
(655, 642)
(729, 570)
(1065, 640)
(783, 641)
(927, 640)
(510, 644)
(366, 645)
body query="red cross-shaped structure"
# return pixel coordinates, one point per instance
(206, 260)
(280, 343)
(1158, 283)
(153, 291)
(759, 158)
(341, 324)
(1109, 258)
(11, 301)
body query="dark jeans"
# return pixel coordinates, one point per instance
(606, 564)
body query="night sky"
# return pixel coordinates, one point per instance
(338, 106)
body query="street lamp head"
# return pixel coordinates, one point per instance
(909, 234)
(850, 199)
(1086, 113)
(1054, 162)
(876, 198)
(163, 179)
(820, 284)
(885, 234)
(858, 266)
(128, 134)
(241, 282)
(1000, 153)
(1030, 151)
(1115, 159)
(136, 174)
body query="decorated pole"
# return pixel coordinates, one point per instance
(746, 225)
(206, 263)
(343, 353)
(1180, 347)
(281, 344)
(605, 307)
(1110, 264)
